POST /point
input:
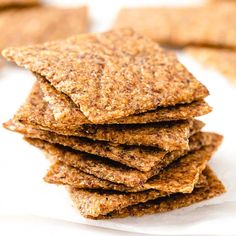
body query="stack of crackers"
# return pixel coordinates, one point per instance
(208, 31)
(115, 114)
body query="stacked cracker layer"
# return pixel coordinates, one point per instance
(115, 114)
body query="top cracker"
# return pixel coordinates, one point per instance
(18, 3)
(210, 24)
(111, 75)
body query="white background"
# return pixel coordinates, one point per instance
(28, 206)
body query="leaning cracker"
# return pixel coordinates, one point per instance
(110, 170)
(180, 176)
(65, 111)
(182, 26)
(111, 75)
(60, 173)
(165, 135)
(223, 60)
(40, 24)
(214, 188)
(138, 157)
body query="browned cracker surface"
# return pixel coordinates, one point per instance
(94, 203)
(168, 135)
(114, 171)
(212, 189)
(40, 24)
(111, 75)
(65, 111)
(16, 3)
(138, 157)
(223, 60)
(59, 173)
(212, 24)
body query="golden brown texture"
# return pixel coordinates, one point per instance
(40, 24)
(138, 157)
(65, 111)
(166, 135)
(100, 202)
(59, 173)
(212, 189)
(114, 171)
(111, 75)
(211, 24)
(17, 3)
(223, 60)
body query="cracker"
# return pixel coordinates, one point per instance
(111, 75)
(65, 111)
(165, 135)
(17, 3)
(59, 173)
(40, 24)
(95, 203)
(212, 189)
(184, 26)
(138, 157)
(223, 60)
(113, 171)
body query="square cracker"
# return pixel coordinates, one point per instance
(212, 24)
(138, 157)
(60, 173)
(180, 176)
(113, 171)
(223, 60)
(95, 203)
(65, 111)
(212, 189)
(165, 135)
(40, 24)
(111, 75)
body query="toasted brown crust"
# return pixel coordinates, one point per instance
(17, 3)
(93, 203)
(138, 157)
(184, 26)
(65, 111)
(59, 173)
(119, 73)
(165, 135)
(40, 24)
(110, 170)
(223, 60)
(172, 202)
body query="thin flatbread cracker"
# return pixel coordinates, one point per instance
(138, 157)
(223, 60)
(40, 24)
(109, 170)
(95, 203)
(111, 75)
(165, 135)
(208, 25)
(62, 174)
(65, 111)
(212, 189)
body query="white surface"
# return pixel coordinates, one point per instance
(28, 206)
